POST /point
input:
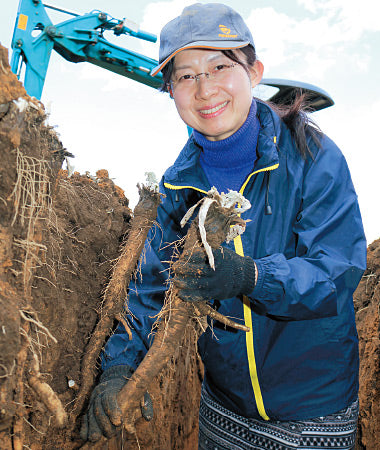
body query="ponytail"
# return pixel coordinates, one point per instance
(302, 128)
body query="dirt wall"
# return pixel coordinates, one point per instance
(367, 305)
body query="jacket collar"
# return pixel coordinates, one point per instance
(186, 170)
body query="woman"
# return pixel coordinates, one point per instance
(292, 381)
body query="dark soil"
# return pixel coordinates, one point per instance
(367, 305)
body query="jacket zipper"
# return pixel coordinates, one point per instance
(177, 188)
(248, 319)
(246, 303)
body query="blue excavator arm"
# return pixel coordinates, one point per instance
(78, 39)
(81, 39)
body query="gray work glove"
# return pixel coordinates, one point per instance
(197, 281)
(104, 414)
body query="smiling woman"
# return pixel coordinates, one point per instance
(212, 95)
(291, 381)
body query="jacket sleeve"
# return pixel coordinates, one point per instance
(146, 293)
(330, 255)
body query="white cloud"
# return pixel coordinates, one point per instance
(312, 46)
(361, 151)
(353, 16)
(92, 72)
(330, 27)
(156, 15)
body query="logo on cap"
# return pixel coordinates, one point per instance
(226, 32)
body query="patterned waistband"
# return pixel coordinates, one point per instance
(221, 429)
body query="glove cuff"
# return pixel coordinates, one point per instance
(122, 371)
(249, 276)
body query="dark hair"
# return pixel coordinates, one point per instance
(301, 126)
(294, 115)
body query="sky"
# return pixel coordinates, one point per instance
(110, 122)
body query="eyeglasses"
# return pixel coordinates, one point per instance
(188, 81)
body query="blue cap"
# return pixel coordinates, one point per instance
(211, 26)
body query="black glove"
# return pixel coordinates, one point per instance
(197, 281)
(103, 414)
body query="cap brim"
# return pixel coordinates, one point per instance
(212, 45)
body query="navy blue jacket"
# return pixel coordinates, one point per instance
(300, 359)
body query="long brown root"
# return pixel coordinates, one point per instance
(207, 310)
(18, 424)
(46, 394)
(145, 214)
(167, 338)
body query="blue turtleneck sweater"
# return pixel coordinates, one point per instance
(228, 162)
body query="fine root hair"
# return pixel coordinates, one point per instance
(31, 196)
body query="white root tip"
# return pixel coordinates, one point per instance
(70, 168)
(21, 104)
(235, 231)
(151, 181)
(202, 230)
(228, 200)
(232, 198)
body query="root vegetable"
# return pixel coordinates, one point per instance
(145, 213)
(46, 394)
(176, 313)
